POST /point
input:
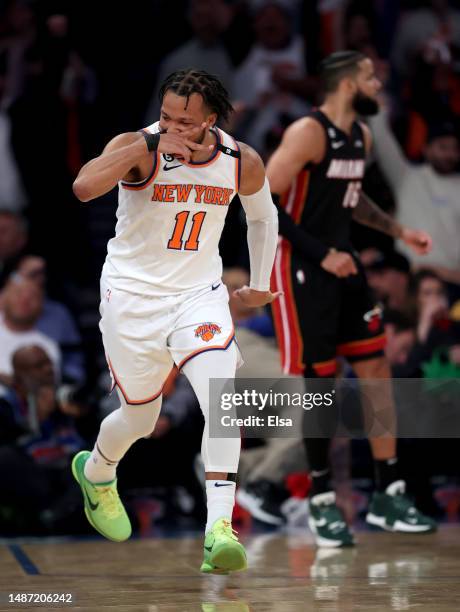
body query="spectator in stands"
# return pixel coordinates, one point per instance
(426, 195)
(55, 320)
(388, 274)
(433, 28)
(12, 193)
(13, 241)
(401, 337)
(22, 306)
(434, 329)
(273, 79)
(204, 51)
(38, 439)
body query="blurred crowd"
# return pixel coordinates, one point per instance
(75, 74)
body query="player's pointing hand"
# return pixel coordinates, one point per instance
(177, 145)
(255, 299)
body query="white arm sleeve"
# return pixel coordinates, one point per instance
(262, 220)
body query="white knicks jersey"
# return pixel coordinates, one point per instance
(169, 225)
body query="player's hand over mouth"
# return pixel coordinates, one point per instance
(181, 144)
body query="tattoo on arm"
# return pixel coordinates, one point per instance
(368, 213)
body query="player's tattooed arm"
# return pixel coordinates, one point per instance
(368, 213)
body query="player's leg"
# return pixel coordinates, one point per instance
(222, 551)
(204, 349)
(117, 433)
(326, 519)
(96, 471)
(305, 318)
(362, 343)
(139, 361)
(390, 508)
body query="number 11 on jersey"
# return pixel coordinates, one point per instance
(191, 244)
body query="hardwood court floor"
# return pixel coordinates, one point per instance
(287, 574)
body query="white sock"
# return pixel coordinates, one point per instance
(98, 468)
(221, 499)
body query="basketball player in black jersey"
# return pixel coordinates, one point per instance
(327, 309)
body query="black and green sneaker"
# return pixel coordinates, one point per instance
(327, 523)
(393, 511)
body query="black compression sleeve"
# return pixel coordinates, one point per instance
(306, 245)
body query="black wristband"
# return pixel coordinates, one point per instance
(152, 140)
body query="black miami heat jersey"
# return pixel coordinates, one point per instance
(319, 316)
(322, 196)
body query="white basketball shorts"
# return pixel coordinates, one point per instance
(144, 337)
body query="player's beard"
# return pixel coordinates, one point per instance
(364, 105)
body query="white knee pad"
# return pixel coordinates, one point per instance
(127, 424)
(140, 420)
(219, 454)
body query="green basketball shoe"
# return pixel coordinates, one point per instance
(222, 551)
(103, 507)
(393, 511)
(327, 523)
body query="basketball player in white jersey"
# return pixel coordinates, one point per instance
(162, 298)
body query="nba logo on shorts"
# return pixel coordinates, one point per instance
(373, 318)
(207, 331)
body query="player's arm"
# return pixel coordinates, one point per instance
(262, 220)
(303, 142)
(368, 213)
(125, 156)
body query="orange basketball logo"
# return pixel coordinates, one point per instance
(207, 331)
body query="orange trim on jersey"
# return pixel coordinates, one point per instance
(362, 347)
(220, 347)
(146, 182)
(125, 395)
(285, 314)
(325, 368)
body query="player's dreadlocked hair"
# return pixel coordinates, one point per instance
(187, 82)
(337, 66)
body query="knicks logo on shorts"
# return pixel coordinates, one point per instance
(207, 331)
(373, 318)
